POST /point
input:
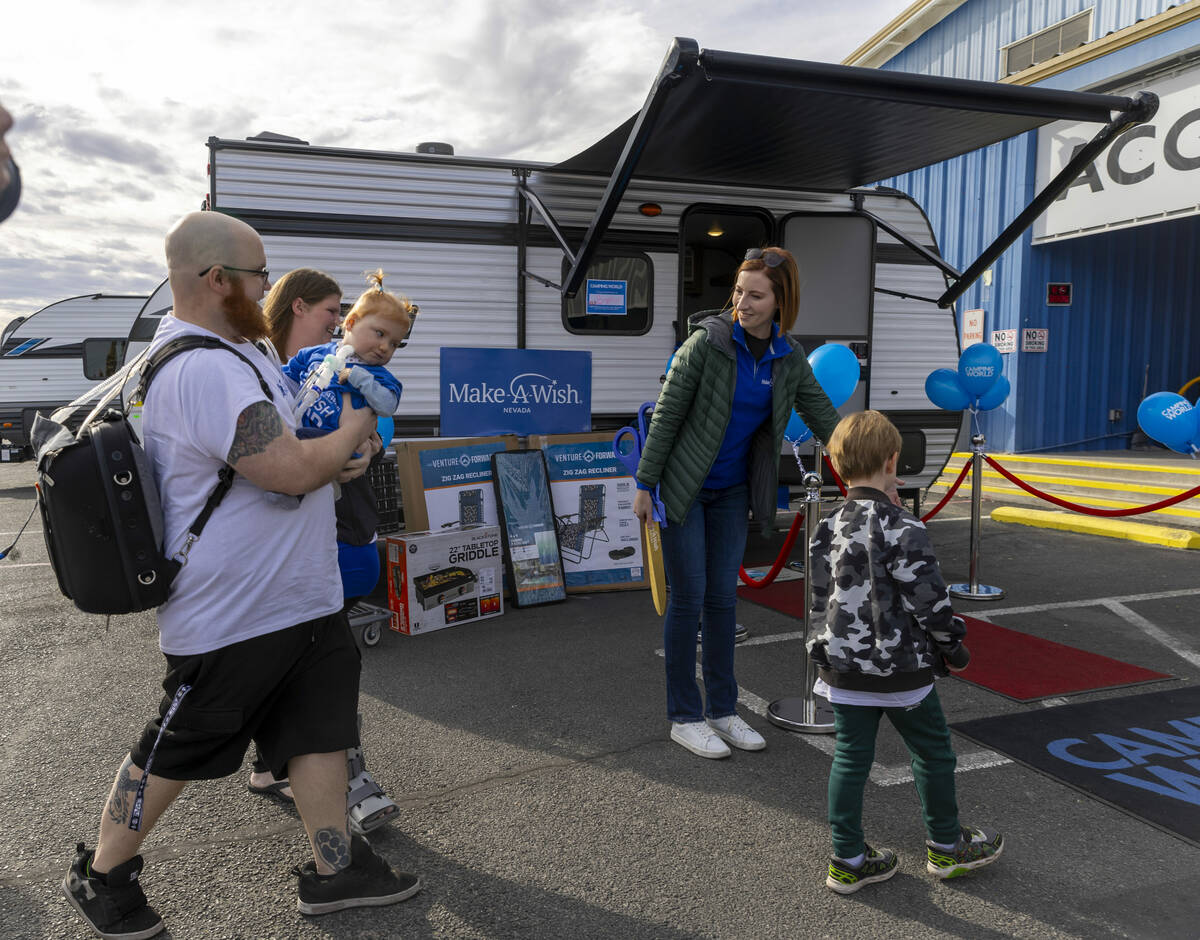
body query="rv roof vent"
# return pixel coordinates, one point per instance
(277, 138)
(436, 146)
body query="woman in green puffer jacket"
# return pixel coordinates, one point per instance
(713, 450)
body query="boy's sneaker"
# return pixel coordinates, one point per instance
(879, 865)
(732, 730)
(974, 849)
(698, 738)
(369, 881)
(115, 907)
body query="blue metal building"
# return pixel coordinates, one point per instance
(1130, 257)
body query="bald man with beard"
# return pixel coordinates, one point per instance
(256, 644)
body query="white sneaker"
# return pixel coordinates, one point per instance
(698, 738)
(737, 733)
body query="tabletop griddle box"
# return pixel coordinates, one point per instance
(439, 579)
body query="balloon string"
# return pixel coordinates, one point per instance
(1092, 510)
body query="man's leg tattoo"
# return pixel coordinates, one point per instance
(334, 848)
(120, 801)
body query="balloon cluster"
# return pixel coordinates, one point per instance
(1172, 421)
(976, 384)
(836, 368)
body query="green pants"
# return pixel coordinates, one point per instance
(923, 727)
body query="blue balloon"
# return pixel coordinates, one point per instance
(943, 388)
(797, 431)
(386, 428)
(1171, 420)
(836, 368)
(978, 368)
(995, 395)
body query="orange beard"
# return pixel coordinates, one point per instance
(245, 316)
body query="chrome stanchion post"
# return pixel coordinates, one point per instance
(807, 713)
(974, 590)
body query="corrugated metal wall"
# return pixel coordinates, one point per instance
(1134, 316)
(1140, 278)
(966, 44)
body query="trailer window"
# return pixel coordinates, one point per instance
(614, 298)
(103, 357)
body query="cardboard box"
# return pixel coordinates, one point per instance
(448, 481)
(439, 579)
(599, 537)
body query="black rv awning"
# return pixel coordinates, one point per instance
(762, 121)
(733, 119)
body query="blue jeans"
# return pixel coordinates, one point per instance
(701, 557)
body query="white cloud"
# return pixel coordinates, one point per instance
(111, 129)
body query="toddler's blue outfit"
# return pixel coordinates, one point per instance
(369, 386)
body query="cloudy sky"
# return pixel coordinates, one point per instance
(115, 99)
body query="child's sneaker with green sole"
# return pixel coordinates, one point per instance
(877, 865)
(974, 849)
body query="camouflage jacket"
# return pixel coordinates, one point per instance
(880, 608)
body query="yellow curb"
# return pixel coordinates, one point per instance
(1184, 469)
(1091, 525)
(1077, 482)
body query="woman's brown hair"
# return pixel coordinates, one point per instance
(305, 284)
(780, 267)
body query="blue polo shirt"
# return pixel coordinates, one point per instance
(752, 404)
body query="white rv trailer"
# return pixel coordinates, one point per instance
(54, 356)
(667, 203)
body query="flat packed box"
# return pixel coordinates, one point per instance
(599, 537)
(448, 481)
(439, 579)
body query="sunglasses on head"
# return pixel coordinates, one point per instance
(772, 259)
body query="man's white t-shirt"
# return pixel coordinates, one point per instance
(261, 564)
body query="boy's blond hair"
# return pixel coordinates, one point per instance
(378, 302)
(862, 443)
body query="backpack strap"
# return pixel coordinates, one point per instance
(172, 348)
(155, 361)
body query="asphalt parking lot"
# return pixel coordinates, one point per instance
(540, 796)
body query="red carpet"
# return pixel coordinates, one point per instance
(1013, 664)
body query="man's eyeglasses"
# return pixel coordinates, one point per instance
(258, 272)
(772, 259)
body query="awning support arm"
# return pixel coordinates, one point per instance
(930, 257)
(681, 59)
(1143, 109)
(535, 202)
(904, 296)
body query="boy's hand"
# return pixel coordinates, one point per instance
(343, 375)
(958, 660)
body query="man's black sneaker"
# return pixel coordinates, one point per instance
(974, 849)
(116, 906)
(877, 865)
(369, 881)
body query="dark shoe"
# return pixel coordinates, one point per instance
(369, 881)
(974, 849)
(115, 907)
(878, 865)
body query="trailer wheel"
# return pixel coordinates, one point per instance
(371, 634)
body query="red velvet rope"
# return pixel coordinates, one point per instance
(1092, 510)
(945, 499)
(766, 579)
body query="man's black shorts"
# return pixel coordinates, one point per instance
(294, 691)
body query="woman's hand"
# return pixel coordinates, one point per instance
(893, 493)
(643, 508)
(355, 467)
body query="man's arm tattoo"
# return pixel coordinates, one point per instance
(120, 801)
(257, 426)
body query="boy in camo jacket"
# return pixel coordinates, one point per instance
(886, 629)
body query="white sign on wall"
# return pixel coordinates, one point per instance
(972, 328)
(1005, 341)
(1150, 173)
(1035, 340)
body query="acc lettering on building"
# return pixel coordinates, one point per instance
(1151, 172)
(515, 391)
